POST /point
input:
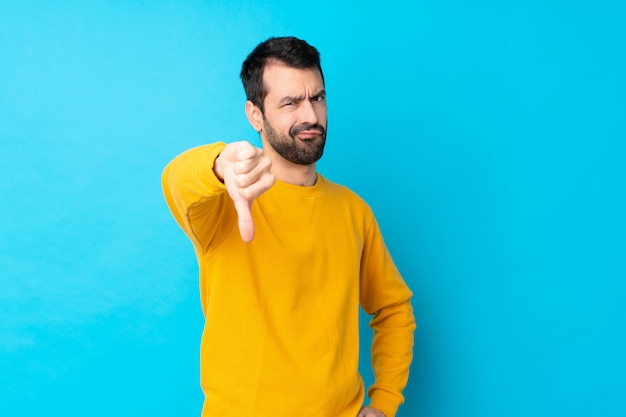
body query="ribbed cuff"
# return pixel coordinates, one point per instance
(385, 402)
(205, 167)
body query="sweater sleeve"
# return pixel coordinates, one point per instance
(194, 195)
(385, 295)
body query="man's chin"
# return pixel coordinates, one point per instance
(307, 156)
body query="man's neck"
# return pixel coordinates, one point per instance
(302, 175)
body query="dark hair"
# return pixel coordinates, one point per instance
(290, 51)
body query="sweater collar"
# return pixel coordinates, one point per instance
(299, 190)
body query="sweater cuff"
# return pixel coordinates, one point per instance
(385, 402)
(205, 168)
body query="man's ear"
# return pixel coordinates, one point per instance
(255, 116)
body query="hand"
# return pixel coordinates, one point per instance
(245, 171)
(370, 412)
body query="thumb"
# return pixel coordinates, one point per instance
(246, 225)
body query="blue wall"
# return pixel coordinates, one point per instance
(489, 137)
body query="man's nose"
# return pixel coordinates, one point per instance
(307, 113)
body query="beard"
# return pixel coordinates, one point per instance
(301, 152)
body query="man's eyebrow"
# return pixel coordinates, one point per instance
(292, 99)
(321, 93)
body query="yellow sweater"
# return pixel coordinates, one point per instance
(281, 313)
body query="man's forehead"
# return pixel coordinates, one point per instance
(282, 79)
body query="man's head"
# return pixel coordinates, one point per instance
(286, 104)
(290, 51)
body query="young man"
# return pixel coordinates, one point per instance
(285, 259)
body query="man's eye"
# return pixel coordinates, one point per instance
(318, 98)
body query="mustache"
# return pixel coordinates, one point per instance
(306, 126)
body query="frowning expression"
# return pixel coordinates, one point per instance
(295, 115)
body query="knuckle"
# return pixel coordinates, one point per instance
(237, 181)
(246, 193)
(265, 163)
(241, 181)
(241, 167)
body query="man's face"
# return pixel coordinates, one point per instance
(294, 120)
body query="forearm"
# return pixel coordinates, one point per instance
(191, 187)
(392, 353)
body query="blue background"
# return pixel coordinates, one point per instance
(489, 138)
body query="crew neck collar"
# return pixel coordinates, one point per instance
(301, 190)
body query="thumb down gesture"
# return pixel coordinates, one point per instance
(245, 171)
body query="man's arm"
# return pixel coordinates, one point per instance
(196, 181)
(392, 353)
(385, 295)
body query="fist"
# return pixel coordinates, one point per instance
(246, 173)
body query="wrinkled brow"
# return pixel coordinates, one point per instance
(295, 99)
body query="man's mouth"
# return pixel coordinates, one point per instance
(306, 132)
(309, 134)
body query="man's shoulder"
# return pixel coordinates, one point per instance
(343, 192)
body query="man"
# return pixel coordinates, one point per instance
(285, 258)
